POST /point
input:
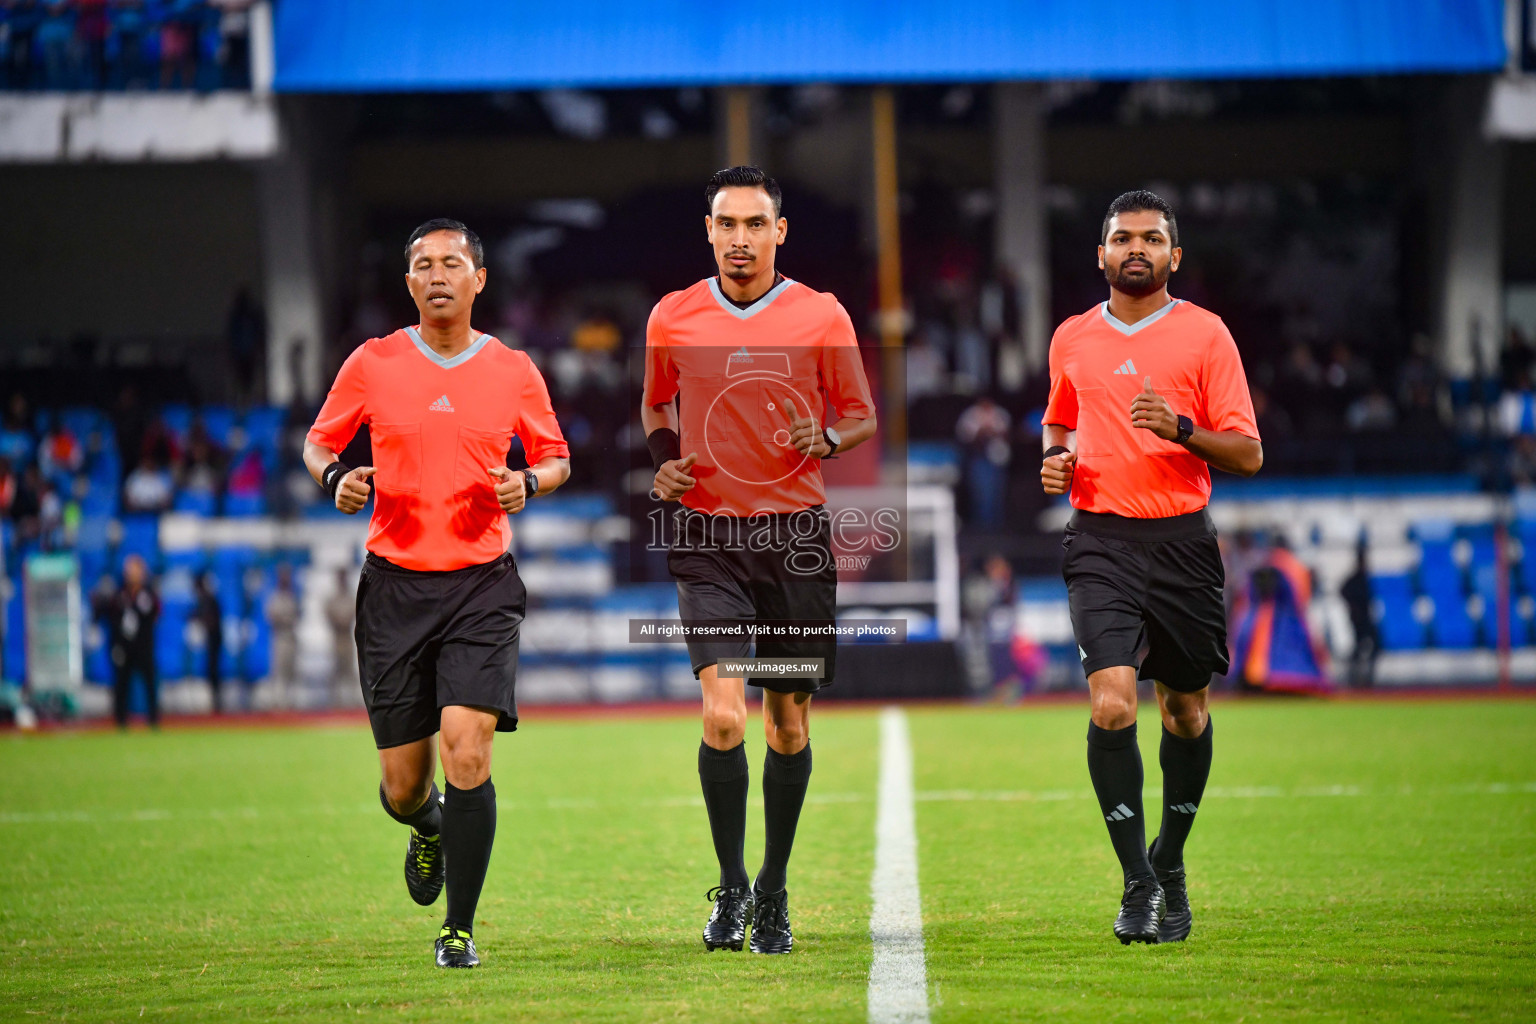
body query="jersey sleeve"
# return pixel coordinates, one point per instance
(1224, 398)
(536, 426)
(660, 371)
(345, 408)
(1061, 407)
(842, 370)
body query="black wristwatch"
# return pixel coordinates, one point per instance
(1186, 430)
(833, 440)
(530, 484)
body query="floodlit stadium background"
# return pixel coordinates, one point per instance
(204, 206)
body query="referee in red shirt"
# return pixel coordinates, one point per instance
(751, 380)
(1147, 391)
(440, 603)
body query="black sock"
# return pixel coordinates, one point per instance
(1114, 765)
(723, 775)
(426, 819)
(785, 778)
(469, 829)
(1186, 766)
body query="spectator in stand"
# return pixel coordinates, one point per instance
(1272, 420)
(1516, 413)
(91, 27)
(125, 46)
(148, 488)
(983, 431)
(1356, 593)
(1371, 412)
(131, 618)
(340, 610)
(203, 468)
(248, 477)
(209, 615)
(60, 452)
(178, 51)
(1517, 358)
(26, 507)
(234, 54)
(7, 487)
(55, 43)
(16, 441)
(22, 20)
(283, 618)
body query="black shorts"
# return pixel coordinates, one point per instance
(1152, 585)
(426, 640)
(764, 568)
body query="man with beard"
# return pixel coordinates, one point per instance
(1147, 392)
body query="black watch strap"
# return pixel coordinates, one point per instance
(1186, 429)
(530, 483)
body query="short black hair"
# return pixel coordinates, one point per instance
(476, 248)
(743, 177)
(1135, 202)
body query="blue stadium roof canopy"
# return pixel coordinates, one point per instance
(381, 45)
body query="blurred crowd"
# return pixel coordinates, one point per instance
(125, 44)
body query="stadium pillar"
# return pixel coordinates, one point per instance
(739, 128)
(291, 270)
(893, 313)
(1469, 316)
(1021, 237)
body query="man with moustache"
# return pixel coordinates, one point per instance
(1147, 392)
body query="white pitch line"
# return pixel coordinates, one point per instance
(898, 977)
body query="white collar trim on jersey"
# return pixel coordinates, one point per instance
(1146, 321)
(448, 362)
(757, 307)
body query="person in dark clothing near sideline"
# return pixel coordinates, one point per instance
(210, 615)
(131, 618)
(1356, 593)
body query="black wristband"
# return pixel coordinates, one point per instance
(1059, 449)
(330, 477)
(664, 445)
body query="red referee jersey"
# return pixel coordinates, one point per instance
(437, 425)
(1098, 367)
(741, 376)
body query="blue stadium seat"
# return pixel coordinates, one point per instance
(201, 503)
(1400, 631)
(264, 427)
(1452, 627)
(141, 536)
(245, 505)
(178, 420)
(218, 421)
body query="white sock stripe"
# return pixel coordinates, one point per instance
(898, 976)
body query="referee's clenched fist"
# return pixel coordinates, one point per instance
(353, 489)
(1056, 472)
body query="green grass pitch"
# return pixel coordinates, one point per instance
(1352, 861)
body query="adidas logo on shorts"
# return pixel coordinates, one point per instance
(441, 405)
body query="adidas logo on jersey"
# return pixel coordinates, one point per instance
(441, 405)
(1127, 367)
(741, 355)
